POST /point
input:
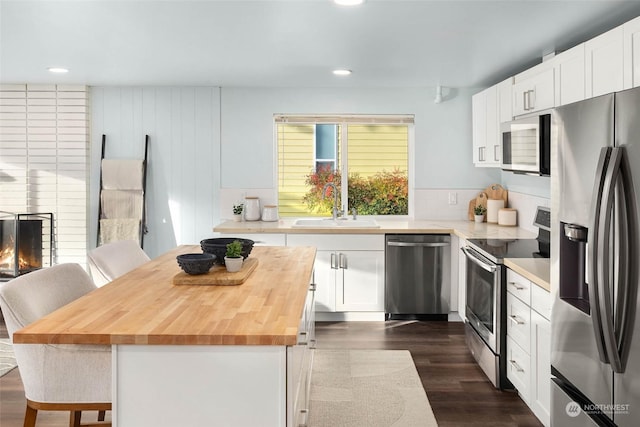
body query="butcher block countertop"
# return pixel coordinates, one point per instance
(144, 307)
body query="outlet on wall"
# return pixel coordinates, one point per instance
(453, 198)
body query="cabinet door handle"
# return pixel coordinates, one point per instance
(496, 156)
(515, 319)
(517, 286)
(343, 261)
(516, 366)
(333, 261)
(481, 154)
(532, 103)
(525, 104)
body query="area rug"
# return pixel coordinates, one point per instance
(368, 388)
(7, 358)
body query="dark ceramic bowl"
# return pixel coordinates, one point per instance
(196, 263)
(218, 247)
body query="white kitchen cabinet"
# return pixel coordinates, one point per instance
(604, 63)
(631, 53)
(261, 239)
(533, 90)
(486, 128)
(349, 271)
(529, 343)
(505, 106)
(540, 392)
(360, 281)
(299, 363)
(569, 68)
(462, 279)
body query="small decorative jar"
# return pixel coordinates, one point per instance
(270, 213)
(251, 209)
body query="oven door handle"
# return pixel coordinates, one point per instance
(472, 257)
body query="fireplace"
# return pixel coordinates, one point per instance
(26, 243)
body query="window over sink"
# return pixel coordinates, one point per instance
(365, 157)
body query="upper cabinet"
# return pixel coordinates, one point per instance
(485, 128)
(631, 49)
(533, 90)
(490, 107)
(604, 63)
(569, 73)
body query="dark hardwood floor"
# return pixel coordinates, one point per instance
(458, 390)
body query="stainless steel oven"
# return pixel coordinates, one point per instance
(485, 327)
(486, 293)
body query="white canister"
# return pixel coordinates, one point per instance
(270, 213)
(508, 217)
(493, 206)
(251, 208)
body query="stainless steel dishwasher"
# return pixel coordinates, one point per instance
(417, 276)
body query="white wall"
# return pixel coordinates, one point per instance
(184, 156)
(443, 155)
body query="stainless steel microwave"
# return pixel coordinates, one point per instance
(526, 145)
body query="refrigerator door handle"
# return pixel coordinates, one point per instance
(612, 177)
(593, 253)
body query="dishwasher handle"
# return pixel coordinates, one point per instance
(423, 245)
(472, 257)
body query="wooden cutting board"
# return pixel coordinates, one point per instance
(497, 192)
(218, 275)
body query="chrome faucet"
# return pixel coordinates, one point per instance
(335, 211)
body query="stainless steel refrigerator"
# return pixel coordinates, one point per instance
(595, 330)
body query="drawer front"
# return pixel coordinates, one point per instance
(519, 322)
(260, 239)
(518, 372)
(338, 242)
(541, 301)
(519, 286)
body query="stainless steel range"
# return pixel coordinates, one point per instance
(486, 291)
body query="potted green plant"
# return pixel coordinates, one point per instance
(233, 258)
(479, 212)
(237, 212)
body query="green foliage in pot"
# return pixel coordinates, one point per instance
(237, 209)
(479, 210)
(234, 249)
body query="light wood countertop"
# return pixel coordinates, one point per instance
(144, 307)
(537, 270)
(460, 228)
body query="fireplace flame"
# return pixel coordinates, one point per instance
(7, 259)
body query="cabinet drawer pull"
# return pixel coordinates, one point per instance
(516, 366)
(312, 287)
(517, 286)
(515, 319)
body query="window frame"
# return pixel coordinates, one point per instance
(343, 121)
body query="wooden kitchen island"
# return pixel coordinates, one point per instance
(200, 355)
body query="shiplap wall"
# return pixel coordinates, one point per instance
(183, 124)
(44, 138)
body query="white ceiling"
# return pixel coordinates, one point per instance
(295, 43)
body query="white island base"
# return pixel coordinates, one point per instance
(207, 385)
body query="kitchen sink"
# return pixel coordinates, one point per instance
(338, 223)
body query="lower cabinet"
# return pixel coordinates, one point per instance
(349, 271)
(299, 364)
(529, 345)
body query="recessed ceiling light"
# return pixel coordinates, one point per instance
(341, 72)
(57, 70)
(348, 2)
